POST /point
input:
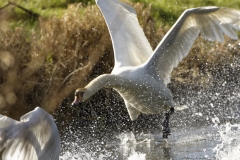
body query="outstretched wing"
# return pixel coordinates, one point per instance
(211, 22)
(34, 137)
(131, 47)
(6, 121)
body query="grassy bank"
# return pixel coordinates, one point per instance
(45, 58)
(164, 11)
(167, 11)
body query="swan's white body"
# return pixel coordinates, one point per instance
(141, 92)
(34, 137)
(141, 75)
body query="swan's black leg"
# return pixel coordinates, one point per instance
(165, 124)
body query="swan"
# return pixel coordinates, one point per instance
(140, 75)
(34, 137)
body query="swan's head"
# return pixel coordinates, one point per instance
(78, 96)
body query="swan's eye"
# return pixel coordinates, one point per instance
(79, 94)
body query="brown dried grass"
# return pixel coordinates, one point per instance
(43, 69)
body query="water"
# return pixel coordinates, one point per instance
(230, 142)
(220, 142)
(208, 129)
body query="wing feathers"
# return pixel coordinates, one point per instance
(131, 47)
(227, 30)
(35, 137)
(211, 22)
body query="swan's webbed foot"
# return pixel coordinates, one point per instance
(171, 110)
(165, 135)
(165, 124)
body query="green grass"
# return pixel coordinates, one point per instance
(164, 12)
(45, 9)
(167, 11)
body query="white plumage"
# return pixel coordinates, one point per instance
(141, 75)
(34, 137)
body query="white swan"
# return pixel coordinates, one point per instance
(34, 137)
(141, 75)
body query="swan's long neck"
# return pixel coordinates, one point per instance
(105, 80)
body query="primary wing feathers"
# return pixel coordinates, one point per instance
(211, 22)
(35, 137)
(6, 121)
(131, 48)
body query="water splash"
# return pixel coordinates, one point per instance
(229, 147)
(200, 132)
(138, 156)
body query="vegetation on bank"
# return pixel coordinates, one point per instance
(45, 58)
(168, 11)
(164, 12)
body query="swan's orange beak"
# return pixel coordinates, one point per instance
(76, 101)
(78, 96)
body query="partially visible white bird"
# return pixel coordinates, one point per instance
(141, 75)
(34, 137)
